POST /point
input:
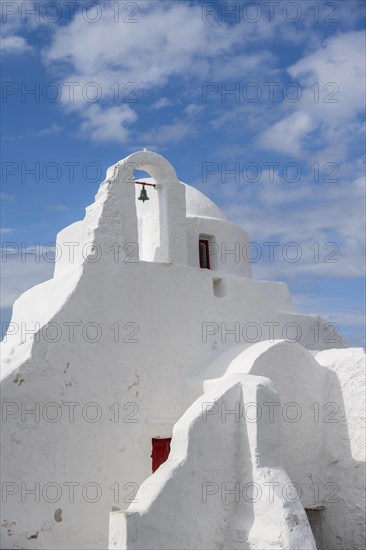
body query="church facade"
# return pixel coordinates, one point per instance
(156, 396)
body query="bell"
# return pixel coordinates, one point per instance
(143, 195)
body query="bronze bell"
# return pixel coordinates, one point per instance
(143, 195)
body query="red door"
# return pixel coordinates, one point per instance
(160, 451)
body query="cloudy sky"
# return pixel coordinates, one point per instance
(258, 104)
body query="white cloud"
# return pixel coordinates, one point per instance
(107, 124)
(21, 273)
(167, 40)
(193, 110)
(305, 213)
(6, 230)
(53, 129)
(14, 45)
(287, 136)
(242, 65)
(13, 22)
(331, 90)
(58, 207)
(7, 197)
(338, 67)
(167, 133)
(161, 103)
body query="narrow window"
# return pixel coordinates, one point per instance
(160, 451)
(204, 253)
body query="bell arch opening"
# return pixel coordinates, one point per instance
(165, 241)
(148, 216)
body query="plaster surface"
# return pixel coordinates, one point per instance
(126, 337)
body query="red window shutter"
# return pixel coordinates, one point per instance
(160, 451)
(204, 253)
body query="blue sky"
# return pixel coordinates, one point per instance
(258, 104)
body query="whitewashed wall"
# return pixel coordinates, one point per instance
(322, 428)
(214, 489)
(116, 332)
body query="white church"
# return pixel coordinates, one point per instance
(155, 396)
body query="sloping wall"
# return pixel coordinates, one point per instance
(322, 419)
(223, 485)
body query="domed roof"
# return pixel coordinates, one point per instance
(197, 204)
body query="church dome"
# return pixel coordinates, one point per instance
(198, 205)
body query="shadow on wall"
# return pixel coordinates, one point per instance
(342, 477)
(204, 496)
(316, 433)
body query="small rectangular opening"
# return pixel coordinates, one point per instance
(315, 520)
(219, 287)
(204, 253)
